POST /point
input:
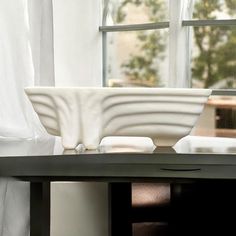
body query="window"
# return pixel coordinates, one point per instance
(135, 53)
(156, 43)
(213, 57)
(124, 12)
(140, 63)
(214, 43)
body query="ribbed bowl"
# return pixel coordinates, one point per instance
(86, 115)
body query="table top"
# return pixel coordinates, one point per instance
(191, 158)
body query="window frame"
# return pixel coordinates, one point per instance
(104, 29)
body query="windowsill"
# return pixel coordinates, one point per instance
(230, 133)
(222, 102)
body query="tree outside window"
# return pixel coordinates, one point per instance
(214, 47)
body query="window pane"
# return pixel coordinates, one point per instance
(214, 57)
(214, 9)
(137, 58)
(136, 11)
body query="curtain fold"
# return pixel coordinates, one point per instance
(26, 59)
(79, 207)
(78, 42)
(180, 44)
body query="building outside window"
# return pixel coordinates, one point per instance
(184, 43)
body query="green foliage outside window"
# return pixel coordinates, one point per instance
(142, 68)
(214, 64)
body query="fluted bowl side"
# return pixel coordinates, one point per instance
(86, 115)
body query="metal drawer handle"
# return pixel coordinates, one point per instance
(174, 169)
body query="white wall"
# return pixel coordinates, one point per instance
(78, 208)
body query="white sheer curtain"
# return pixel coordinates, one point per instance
(77, 42)
(179, 43)
(78, 208)
(26, 59)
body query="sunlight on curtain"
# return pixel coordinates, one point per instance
(26, 59)
(77, 43)
(180, 44)
(78, 208)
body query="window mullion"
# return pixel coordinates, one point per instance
(198, 23)
(134, 27)
(224, 92)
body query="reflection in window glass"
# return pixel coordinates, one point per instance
(136, 11)
(214, 9)
(214, 57)
(137, 58)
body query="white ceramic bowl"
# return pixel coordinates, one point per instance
(86, 115)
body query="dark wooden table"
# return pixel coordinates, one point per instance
(40, 168)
